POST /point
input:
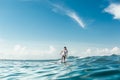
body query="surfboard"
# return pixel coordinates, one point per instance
(59, 62)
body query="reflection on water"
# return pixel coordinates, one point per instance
(89, 68)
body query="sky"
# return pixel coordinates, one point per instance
(39, 29)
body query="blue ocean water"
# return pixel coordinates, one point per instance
(89, 68)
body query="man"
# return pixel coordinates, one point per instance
(64, 54)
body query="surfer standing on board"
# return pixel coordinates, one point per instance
(64, 54)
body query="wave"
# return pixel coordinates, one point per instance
(89, 68)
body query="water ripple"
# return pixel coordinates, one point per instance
(89, 68)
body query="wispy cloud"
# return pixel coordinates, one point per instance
(72, 14)
(114, 9)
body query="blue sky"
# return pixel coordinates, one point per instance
(43, 27)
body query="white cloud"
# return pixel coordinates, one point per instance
(19, 48)
(113, 9)
(51, 52)
(35, 53)
(101, 51)
(115, 50)
(23, 52)
(69, 13)
(88, 51)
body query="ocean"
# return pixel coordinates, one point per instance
(89, 68)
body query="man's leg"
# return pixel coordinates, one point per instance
(64, 59)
